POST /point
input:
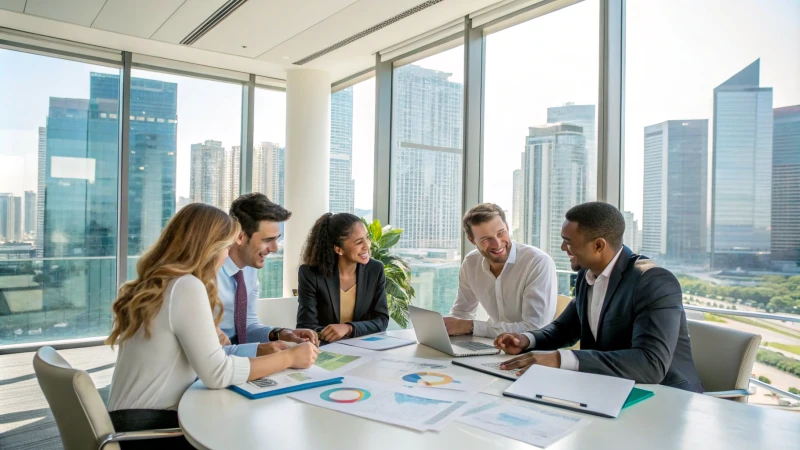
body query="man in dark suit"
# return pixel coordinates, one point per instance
(627, 313)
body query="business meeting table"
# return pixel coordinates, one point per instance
(672, 419)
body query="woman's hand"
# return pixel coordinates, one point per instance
(335, 332)
(303, 356)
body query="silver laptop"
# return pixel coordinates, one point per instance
(430, 331)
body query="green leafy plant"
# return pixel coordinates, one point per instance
(399, 291)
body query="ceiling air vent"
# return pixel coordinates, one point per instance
(368, 31)
(219, 15)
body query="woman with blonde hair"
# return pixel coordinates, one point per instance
(165, 327)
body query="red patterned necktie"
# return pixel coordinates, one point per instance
(240, 308)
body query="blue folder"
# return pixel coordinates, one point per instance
(286, 390)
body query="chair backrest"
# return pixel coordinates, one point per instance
(79, 411)
(561, 304)
(722, 356)
(278, 312)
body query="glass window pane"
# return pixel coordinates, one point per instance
(540, 152)
(185, 136)
(427, 118)
(269, 153)
(58, 197)
(712, 161)
(352, 149)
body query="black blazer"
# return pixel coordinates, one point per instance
(319, 299)
(642, 333)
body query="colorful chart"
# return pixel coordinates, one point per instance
(439, 378)
(345, 395)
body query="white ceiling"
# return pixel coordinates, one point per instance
(262, 36)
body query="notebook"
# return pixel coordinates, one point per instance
(291, 380)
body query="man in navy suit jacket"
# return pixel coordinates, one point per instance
(627, 312)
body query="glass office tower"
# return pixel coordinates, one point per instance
(342, 185)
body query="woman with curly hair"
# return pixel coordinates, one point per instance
(165, 326)
(342, 291)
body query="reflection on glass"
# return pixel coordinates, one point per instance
(57, 256)
(427, 119)
(712, 164)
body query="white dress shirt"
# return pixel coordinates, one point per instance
(522, 298)
(226, 288)
(183, 345)
(598, 287)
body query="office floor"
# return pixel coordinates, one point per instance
(25, 418)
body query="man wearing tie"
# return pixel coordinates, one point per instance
(237, 281)
(627, 313)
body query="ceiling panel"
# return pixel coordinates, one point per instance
(13, 5)
(351, 20)
(188, 17)
(135, 18)
(79, 12)
(257, 26)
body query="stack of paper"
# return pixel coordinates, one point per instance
(290, 380)
(420, 409)
(418, 372)
(377, 342)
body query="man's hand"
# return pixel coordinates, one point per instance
(223, 338)
(336, 331)
(524, 362)
(512, 343)
(299, 336)
(457, 327)
(268, 348)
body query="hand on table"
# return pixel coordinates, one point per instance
(457, 327)
(512, 343)
(268, 348)
(299, 336)
(335, 332)
(303, 356)
(524, 362)
(223, 339)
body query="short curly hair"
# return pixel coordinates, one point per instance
(250, 209)
(599, 220)
(330, 230)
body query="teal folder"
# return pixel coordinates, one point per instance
(637, 395)
(286, 390)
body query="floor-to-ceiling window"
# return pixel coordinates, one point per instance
(712, 162)
(426, 172)
(540, 119)
(59, 147)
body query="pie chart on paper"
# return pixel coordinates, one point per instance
(429, 379)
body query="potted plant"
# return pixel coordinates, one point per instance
(399, 291)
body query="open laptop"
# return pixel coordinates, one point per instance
(430, 330)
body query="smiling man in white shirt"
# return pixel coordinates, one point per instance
(515, 283)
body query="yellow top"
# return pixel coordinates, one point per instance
(347, 304)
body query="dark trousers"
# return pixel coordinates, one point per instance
(148, 419)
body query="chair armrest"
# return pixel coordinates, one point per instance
(735, 393)
(140, 435)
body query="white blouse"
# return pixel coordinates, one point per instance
(154, 373)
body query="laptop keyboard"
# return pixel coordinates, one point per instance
(496, 366)
(470, 345)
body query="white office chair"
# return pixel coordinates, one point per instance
(278, 312)
(80, 414)
(723, 358)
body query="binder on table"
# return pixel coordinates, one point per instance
(589, 393)
(637, 395)
(291, 380)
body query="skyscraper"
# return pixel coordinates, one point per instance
(342, 185)
(40, 190)
(7, 217)
(205, 184)
(675, 191)
(231, 166)
(426, 158)
(30, 212)
(786, 185)
(18, 218)
(584, 117)
(631, 230)
(268, 171)
(741, 200)
(555, 181)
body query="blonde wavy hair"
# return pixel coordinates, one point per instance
(189, 244)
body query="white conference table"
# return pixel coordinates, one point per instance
(672, 419)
